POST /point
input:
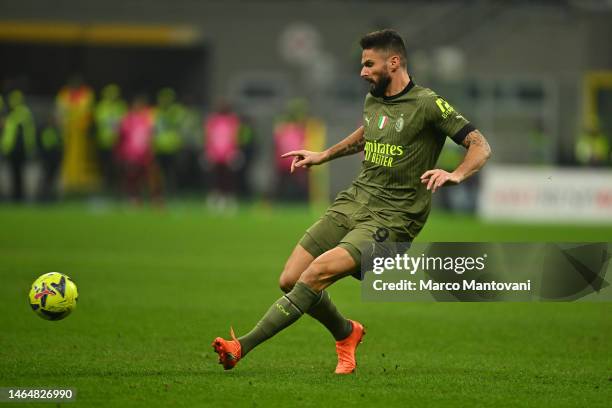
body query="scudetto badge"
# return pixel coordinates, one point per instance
(382, 121)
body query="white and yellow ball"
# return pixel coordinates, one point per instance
(53, 296)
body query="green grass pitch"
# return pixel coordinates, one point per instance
(157, 286)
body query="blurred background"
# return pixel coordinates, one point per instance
(150, 102)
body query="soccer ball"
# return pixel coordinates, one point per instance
(53, 296)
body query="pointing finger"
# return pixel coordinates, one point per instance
(293, 153)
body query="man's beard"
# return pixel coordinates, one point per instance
(378, 88)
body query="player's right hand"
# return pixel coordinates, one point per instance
(304, 158)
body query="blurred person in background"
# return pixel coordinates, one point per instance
(167, 138)
(50, 147)
(289, 135)
(108, 115)
(134, 153)
(74, 109)
(248, 150)
(592, 148)
(223, 157)
(18, 142)
(188, 172)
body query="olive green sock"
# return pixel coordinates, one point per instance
(284, 312)
(327, 314)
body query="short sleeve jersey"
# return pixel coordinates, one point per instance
(404, 135)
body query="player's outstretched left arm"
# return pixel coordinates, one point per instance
(478, 152)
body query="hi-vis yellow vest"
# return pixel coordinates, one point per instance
(18, 117)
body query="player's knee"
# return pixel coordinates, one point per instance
(287, 279)
(286, 284)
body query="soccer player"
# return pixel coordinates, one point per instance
(404, 129)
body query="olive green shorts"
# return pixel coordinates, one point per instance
(352, 226)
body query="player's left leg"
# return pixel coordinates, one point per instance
(328, 268)
(324, 311)
(322, 272)
(325, 270)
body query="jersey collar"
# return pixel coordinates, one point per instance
(403, 92)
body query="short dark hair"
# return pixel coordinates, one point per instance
(385, 40)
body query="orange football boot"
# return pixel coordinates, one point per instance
(229, 351)
(346, 349)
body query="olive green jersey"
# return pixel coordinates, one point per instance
(404, 135)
